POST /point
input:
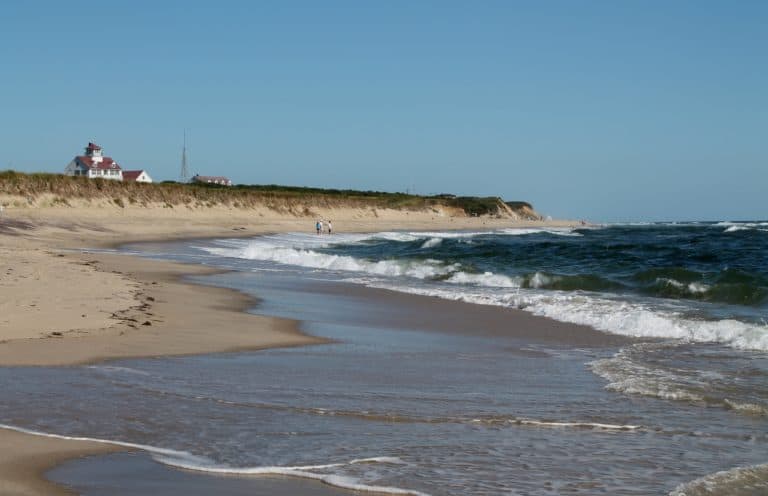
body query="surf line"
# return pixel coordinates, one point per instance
(188, 461)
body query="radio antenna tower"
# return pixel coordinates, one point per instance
(184, 176)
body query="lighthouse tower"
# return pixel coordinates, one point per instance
(94, 151)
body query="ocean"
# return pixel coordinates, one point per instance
(617, 359)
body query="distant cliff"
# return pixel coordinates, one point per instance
(19, 190)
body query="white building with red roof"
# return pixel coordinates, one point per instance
(140, 176)
(94, 164)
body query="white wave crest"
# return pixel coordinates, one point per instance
(623, 318)
(450, 234)
(394, 236)
(258, 250)
(747, 224)
(749, 480)
(732, 227)
(748, 408)
(488, 279)
(540, 280)
(698, 287)
(693, 288)
(267, 250)
(431, 243)
(557, 231)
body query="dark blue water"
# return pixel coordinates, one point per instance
(719, 263)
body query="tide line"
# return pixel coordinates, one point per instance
(188, 461)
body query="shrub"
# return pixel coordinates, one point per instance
(299, 199)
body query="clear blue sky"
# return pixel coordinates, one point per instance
(605, 110)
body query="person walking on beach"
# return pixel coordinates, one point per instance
(319, 226)
(330, 227)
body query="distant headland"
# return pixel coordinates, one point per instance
(21, 191)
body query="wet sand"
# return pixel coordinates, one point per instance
(167, 317)
(25, 458)
(430, 313)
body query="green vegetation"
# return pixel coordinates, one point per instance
(476, 206)
(293, 199)
(519, 205)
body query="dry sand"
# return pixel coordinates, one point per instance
(61, 305)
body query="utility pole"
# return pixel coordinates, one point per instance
(184, 176)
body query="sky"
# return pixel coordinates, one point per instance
(599, 110)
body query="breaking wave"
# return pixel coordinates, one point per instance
(639, 303)
(415, 268)
(740, 481)
(616, 317)
(431, 243)
(732, 227)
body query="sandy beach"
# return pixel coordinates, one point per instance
(63, 305)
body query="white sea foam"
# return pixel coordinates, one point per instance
(747, 224)
(308, 241)
(731, 227)
(186, 460)
(539, 280)
(627, 376)
(748, 408)
(637, 319)
(450, 234)
(560, 424)
(298, 254)
(582, 425)
(625, 318)
(394, 236)
(260, 250)
(488, 279)
(165, 452)
(304, 471)
(698, 287)
(116, 369)
(557, 231)
(750, 480)
(431, 243)
(693, 287)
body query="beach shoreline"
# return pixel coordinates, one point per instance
(143, 308)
